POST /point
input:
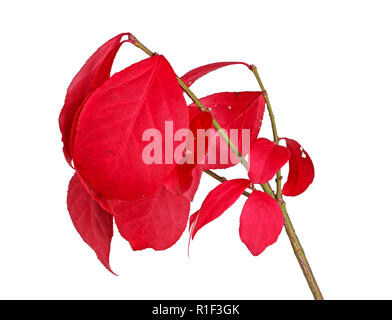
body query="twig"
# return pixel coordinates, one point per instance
(298, 250)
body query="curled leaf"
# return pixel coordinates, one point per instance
(156, 221)
(108, 147)
(218, 201)
(261, 222)
(301, 169)
(94, 72)
(94, 224)
(185, 179)
(191, 76)
(240, 114)
(266, 158)
(192, 219)
(200, 126)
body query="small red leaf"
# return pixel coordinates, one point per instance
(232, 110)
(94, 224)
(199, 126)
(156, 221)
(261, 222)
(301, 169)
(191, 76)
(94, 72)
(218, 201)
(185, 180)
(190, 192)
(109, 144)
(266, 158)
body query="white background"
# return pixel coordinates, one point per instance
(328, 69)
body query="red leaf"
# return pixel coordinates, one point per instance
(192, 223)
(94, 224)
(232, 110)
(108, 143)
(192, 219)
(200, 121)
(190, 192)
(156, 221)
(266, 158)
(191, 76)
(185, 180)
(218, 201)
(301, 170)
(94, 72)
(105, 204)
(261, 222)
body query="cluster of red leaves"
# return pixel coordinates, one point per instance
(102, 123)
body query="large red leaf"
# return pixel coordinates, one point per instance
(94, 72)
(301, 170)
(232, 110)
(156, 221)
(108, 144)
(191, 76)
(218, 201)
(94, 224)
(265, 159)
(261, 222)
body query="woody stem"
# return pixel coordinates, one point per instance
(273, 125)
(299, 252)
(222, 179)
(295, 243)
